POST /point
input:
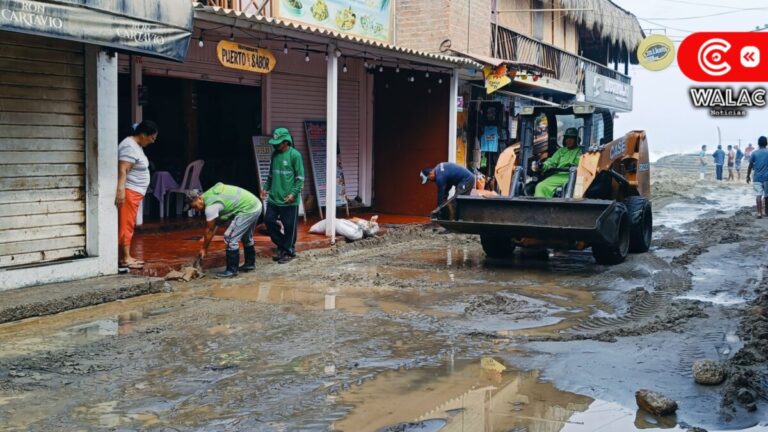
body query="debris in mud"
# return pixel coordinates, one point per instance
(708, 372)
(431, 425)
(690, 255)
(186, 274)
(500, 304)
(669, 243)
(655, 402)
(747, 368)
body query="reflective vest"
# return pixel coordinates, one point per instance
(234, 199)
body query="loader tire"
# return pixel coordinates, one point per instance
(496, 246)
(611, 254)
(641, 221)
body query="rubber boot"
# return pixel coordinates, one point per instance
(249, 252)
(233, 259)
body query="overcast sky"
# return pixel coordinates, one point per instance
(662, 106)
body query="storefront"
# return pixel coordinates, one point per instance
(58, 99)
(388, 126)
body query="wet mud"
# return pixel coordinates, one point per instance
(419, 331)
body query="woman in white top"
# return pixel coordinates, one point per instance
(132, 184)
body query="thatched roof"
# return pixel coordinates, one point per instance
(608, 19)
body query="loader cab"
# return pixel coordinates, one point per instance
(595, 126)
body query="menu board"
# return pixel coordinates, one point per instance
(262, 152)
(316, 142)
(370, 19)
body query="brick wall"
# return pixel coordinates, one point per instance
(423, 25)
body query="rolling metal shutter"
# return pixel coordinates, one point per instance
(42, 150)
(296, 98)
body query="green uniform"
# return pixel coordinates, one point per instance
(234, 199)
(286, 177)
(563, 158)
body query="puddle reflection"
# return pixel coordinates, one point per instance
(476, 395)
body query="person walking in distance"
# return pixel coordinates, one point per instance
(739, 158)
(719, 157)
(702, 162)
(731, 155)
(758, 161)
(748, 151)
(283, 186)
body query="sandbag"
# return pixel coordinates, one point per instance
(318, 228)
(349, 229)
(370, 228)
(346, 228)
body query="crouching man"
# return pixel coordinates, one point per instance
(223, 203)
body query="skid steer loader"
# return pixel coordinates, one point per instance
(605, 203)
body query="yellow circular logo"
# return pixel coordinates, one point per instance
(656, 52)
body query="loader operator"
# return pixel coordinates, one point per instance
(223, 203)
(564, 157)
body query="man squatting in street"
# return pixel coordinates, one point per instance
(223, 203)
(283, 187)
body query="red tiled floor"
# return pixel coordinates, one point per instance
(163, 250)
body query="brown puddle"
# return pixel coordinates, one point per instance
(474, 395)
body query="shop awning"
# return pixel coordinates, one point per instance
(149, 27)
(280, 27)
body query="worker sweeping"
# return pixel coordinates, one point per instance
(448, 175)
(223, 203)
(564, 157)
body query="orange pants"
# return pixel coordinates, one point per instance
(126, 217)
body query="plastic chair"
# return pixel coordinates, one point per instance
(191, 181)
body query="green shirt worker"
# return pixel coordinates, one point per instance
(223, 203)
(564, 157)
(283, 186)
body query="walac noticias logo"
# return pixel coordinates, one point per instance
(725, 57)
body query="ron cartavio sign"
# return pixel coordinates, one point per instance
(150, 27)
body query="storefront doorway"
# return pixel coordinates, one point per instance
(410, 133)
(200, 120)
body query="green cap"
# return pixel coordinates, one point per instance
(571, 132)
(279, 135)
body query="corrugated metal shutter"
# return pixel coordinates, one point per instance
(296, 98)
(349, 134)
(42, 150)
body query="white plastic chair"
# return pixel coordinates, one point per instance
(191, 181)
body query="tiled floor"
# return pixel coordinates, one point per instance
(167, 245)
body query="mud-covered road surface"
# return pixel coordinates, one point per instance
(419, 331)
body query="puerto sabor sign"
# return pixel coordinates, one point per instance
(244, 57)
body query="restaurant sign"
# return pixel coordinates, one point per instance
(608, 92)
(149, 27)
(369, 19)
(495, 78)
(244, 57)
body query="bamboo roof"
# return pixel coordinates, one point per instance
(608, 19)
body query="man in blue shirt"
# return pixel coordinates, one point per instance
(739, 158)
(758, 161)
(448, 175)
(719, 156)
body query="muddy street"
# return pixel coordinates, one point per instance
(419, 331)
